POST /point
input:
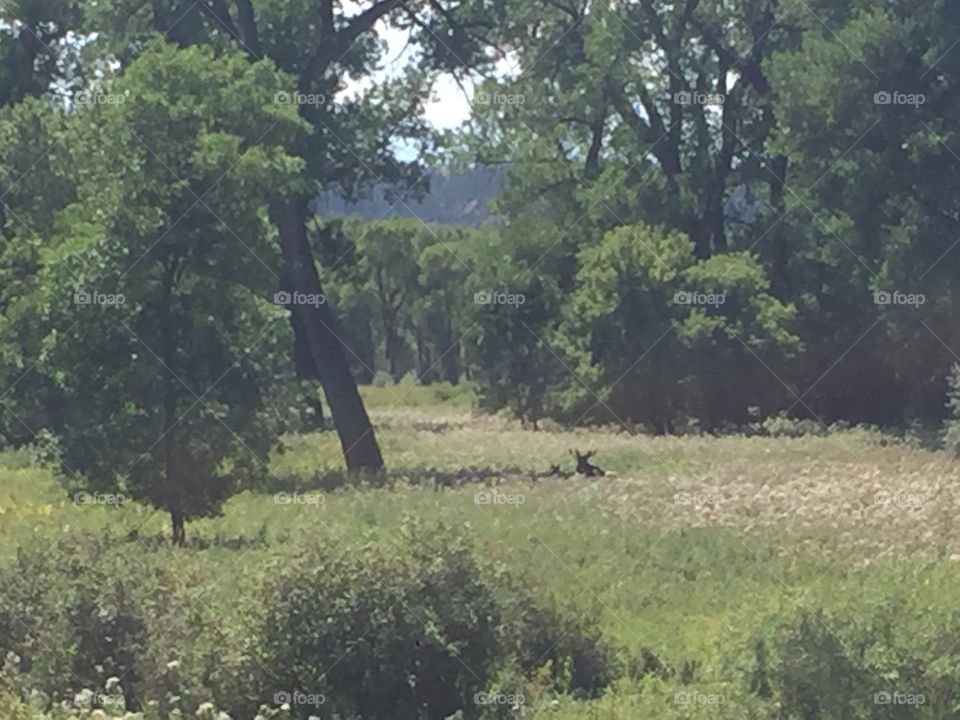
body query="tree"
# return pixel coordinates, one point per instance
(442, 309)
(636, 115)
(401, 286)
(157, 329)
(514, 305)
(320, 45)
(656, 336)
(38, 186)
(640, 112)
(36, 60)
(867, 115)
(389, 251)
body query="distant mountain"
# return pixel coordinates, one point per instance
(461, 198)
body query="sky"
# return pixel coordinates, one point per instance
(450, 105)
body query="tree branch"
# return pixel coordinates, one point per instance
(364, 21)
(248, 25)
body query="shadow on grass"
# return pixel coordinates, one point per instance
(197, 541)
(435, 478)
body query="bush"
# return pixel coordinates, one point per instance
(700, 327)
(567, 644)
(781, 426)
(68, 621)
(883, 664)
(419, 633)
(385, 636)
(817, 676)
(415, 632)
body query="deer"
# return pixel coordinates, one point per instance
(584, 466)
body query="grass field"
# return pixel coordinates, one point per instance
(691, 548)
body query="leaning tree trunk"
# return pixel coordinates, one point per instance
(305, 368)
(360, 449)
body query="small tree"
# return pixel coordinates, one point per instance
(161, 340)
(659, 337)
(514, 305)
(388, 251)
(440, 311)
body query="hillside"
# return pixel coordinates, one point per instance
(461, 198)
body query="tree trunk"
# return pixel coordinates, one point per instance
(367, 369)
(391, 343)
(178, 535)
(360, 449)
(779, 239)
(450, 356)
(169, 390)
(423, 357)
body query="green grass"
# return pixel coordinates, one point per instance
(797, 528)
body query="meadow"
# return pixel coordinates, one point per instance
(736, 577)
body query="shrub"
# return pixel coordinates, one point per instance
(69, 619)
(700, 327)
(884, 663)
(419, 633)
(781, 426)
(385, 635)
(817, 676)
(567, 644)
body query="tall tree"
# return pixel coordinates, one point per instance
(639, 112)
(322, 44)
(153, 322)
(868, 117)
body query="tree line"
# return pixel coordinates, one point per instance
(722, 209)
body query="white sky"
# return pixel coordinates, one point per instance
(450, 106)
